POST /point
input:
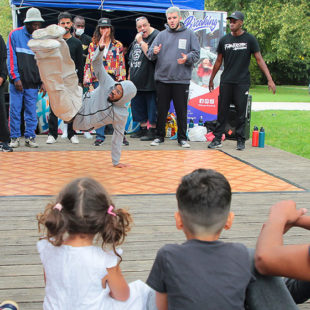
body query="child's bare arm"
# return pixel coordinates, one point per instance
(161, 301)
(274, 258)
(118, 285)
(303, 222)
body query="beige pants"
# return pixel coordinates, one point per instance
(57, 71)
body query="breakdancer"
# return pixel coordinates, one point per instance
(105, 105)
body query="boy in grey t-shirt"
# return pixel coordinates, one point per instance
(202, 273)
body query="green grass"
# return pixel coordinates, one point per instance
(260, 93)
(286, 130)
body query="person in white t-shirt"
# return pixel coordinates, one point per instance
(78, 274)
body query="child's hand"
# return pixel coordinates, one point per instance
(104, 281)
(286, 212)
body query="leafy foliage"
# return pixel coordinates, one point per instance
(282, 28)
(5, 19)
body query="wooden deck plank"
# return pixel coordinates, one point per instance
(21, 274)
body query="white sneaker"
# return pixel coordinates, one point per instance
(14, 143)
(75, 140)
(50, 140)
(184, 144)
(157, 141)
(50, 32)
(88, 135)
(41, 45)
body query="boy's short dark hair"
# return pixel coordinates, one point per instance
(64, 15)
(204, 198)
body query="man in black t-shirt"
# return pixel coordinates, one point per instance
(143, 105)
(235, 49)
(76, 53)
(78, 32)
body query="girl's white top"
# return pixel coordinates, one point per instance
(74, 279)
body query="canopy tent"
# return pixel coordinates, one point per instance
(154, 6)
(122, 12)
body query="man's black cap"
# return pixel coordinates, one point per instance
(236, 15)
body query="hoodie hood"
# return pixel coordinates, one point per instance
(129, 91)
(182, 28)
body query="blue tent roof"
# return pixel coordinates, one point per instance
(155, 6)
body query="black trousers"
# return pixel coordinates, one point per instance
(236, 94)
(179, 94)
(53, 126)
(4, 130)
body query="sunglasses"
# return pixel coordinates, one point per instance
(139, 18)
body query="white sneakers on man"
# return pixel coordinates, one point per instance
(50, 32)
(50, 140)
(75, 140)
(184, 144)
(47, 44)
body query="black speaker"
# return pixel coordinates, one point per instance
(230, 129)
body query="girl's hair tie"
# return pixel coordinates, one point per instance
(58, 206)
(110, 211)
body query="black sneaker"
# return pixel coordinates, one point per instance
(240, 145)
(98, 142)
(149, 135)
(125, 142)
(140, 133)
(4, 147)
(215, 144)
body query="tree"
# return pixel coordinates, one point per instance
(282, 28)
(5, 19)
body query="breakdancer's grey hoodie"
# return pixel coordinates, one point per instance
(97, 111)
(173, 43)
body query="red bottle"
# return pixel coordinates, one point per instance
(255, 135)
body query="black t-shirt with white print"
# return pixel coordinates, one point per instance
(236, 53)
(141, 68)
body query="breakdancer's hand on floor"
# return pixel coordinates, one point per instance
(120, 165)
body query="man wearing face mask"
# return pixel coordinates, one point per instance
(78, 32)
(76, 53)
(105, 105)
(24, 79)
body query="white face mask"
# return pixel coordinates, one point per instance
(79, 31)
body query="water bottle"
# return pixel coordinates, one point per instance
(191, 123)
(200, 122)
(255, 136)
(261, 139)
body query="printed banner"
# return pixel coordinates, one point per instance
(209, 28)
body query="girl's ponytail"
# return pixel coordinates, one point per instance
(115, 227)
(54, 222)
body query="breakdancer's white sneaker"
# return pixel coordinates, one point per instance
(50, 32)
(41, 45)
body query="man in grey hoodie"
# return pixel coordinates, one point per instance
(175, 49)
(105, 105)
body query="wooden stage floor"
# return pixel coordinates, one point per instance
(30, 177)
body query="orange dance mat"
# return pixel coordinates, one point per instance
(150, 172)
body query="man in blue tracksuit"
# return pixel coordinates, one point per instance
(175, 49)
(24, 79)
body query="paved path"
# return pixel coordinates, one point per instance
(259, 106)
(21, 276)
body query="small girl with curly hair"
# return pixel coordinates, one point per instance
(77, 274)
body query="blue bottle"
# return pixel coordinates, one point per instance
(261, 139)
(200, 123)
(191, 123)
